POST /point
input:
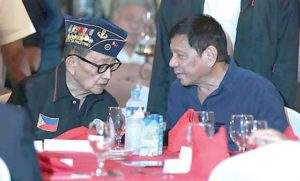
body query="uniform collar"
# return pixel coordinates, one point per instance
(245, 4)
(201, 2)
(60, 89)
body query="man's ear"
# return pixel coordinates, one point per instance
(70, 64)
(211, 54)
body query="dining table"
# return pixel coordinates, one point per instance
(85, 163)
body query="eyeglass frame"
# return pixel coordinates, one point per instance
(100, 66)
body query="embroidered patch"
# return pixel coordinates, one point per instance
(47, 124)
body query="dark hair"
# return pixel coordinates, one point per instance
(70, 49)
(202, 31)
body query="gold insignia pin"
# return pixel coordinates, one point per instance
(102, 34)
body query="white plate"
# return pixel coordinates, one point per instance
(146, 163)
(119, 154)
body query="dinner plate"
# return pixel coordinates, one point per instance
(119, 154)
(146, 163)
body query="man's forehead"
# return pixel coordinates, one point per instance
(179, 40)
(99, 58)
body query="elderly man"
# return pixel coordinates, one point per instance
(208, 80)
(72, 94)
(15, 25)
(131, 15)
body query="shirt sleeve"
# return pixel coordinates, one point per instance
(270, 107)
(15, 22)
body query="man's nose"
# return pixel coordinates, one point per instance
(106, 74)
(173, 62)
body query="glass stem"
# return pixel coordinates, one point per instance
(99, 170)
(119, 142)
(242, 149)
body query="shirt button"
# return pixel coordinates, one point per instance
(74, 102)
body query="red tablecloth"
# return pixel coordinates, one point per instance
(85, 163)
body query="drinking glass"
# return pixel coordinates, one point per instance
(240, 130)
(259, 124)
(101, 138)
(207, 120)
(117, 117)
(253, 126)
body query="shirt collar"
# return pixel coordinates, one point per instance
(227, 82)
(60, 87)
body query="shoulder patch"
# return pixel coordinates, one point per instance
(47, 123)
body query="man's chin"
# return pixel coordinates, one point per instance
(184, 83)
(97, 92)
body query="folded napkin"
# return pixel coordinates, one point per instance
(207, 152)
(50, 163)
(79, 133)
(178, 134)
(289, 133)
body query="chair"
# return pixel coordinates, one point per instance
(274, 162)
(4, 172)
(294, 120)
(4, 94)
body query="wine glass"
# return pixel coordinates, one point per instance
(240, 130)
(253, 126)
(207, 120)
(117, 117)
(259, 124)
(101, 138)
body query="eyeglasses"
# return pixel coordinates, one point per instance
(101, 68)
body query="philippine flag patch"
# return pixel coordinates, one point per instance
(47, 124)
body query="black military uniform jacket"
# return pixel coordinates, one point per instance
(46, 96)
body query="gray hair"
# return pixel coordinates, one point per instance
(118, 5)
(70, 49)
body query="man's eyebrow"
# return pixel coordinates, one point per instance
(104, 60)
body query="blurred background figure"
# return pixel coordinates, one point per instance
(51, 32)
(33, 43)
(131, 15)
(136, 17)
(15, 25)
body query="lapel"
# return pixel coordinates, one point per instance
(199, 7)
(245, 4)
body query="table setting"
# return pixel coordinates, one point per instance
(196, 145)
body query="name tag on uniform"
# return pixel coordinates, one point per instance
(47, 123)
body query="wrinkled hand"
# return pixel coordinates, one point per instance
(265, 137)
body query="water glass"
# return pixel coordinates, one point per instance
(253, 126)
(101, 138)
(259, 124)
(240, 129)
(207, 120)
(117, 117)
